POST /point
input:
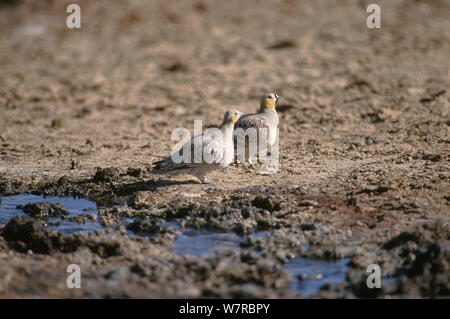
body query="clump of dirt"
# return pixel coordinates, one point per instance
(23, 233)
(148, 224)
(418, 259)
(45, 210)
(106, 175)
(425, 256)
(83, 218)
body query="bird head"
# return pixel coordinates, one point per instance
(268, 101)
(231, 117)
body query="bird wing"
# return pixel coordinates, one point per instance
(211, 147)
(255, 121)
(251, 120)
(206, 148)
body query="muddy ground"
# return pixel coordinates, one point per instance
(364, 139)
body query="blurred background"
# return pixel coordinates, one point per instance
(113, 91)
(138, 69)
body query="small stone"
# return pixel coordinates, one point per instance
(56, 123)
(135, 172)
(266, 203)
(306, 203)
(415, 205)
(307, 226)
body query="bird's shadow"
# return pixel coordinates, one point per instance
(149, 185)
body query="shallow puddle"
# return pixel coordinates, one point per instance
(8, 210)
(310, 275)
(196, 242)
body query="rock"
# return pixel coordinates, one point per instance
(283, 44)
(266, 203)
(148, 224)
(44, 210)
(106, 175)
(175, 66)
(136, 172)
(63, 181)
(24, 233)
(56, 123)
(307, 226)
(415, 205)
(80, 218)
(307, 203)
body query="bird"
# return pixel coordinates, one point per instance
(266, 120)
(214, 148)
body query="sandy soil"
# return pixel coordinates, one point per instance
(364, 139)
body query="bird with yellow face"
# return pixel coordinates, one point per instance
(214, 148)
(266, 120)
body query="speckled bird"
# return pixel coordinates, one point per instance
(267, 118)
(219, 151)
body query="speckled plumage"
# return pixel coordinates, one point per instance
(220, 156)
(266, 118)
